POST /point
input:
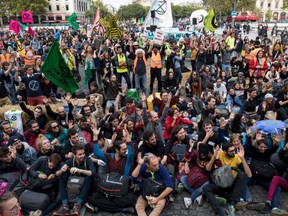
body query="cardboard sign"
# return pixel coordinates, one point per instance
(159, 36)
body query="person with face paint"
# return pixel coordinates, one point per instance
(228, 157)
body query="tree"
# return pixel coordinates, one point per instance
(285, 4)
(92, 11)
(14, 7)
(226, 6)
(183, 11)
(268, 15)
(129, 11)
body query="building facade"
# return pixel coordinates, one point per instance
(58, 11)
(275, 6)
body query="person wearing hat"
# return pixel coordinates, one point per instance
(267, 105)
(139, 70)
(196, 176)
(23, 150)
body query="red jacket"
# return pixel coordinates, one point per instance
(168, 125)
(252, 66)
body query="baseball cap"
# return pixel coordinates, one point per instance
(203, 150)
(13, 139)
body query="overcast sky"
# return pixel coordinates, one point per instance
(118, 3)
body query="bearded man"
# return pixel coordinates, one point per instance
(32, 133)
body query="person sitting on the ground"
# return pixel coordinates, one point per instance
(235, 161)
(23, 150)
(152, 169)
(32, 133)
(81, 166)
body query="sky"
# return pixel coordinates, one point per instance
(118, 3)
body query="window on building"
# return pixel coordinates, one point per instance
(57, 7)
(269, 5)
(261, 4)
(50, 8)
(276, 4)
(67, 7)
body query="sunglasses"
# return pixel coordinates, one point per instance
(57, 126)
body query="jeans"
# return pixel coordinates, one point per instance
(274, 193)
(140, 81)
(178, 74)
(126, 77)
(155, 73)
(194, 192)
(234, 192)
(226, 68)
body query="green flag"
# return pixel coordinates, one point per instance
(57, 71)
(23, 27)
(88, 73)
(210, 22)
(72, 19)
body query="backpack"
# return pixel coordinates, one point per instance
(114, 184)
(178, 151)
(152, 187)
(262, 170)
(74, 185)
(223, 176)
(170, 63)
(34, 200)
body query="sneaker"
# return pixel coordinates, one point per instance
(199, 200)
(241, 205)
(256, 206)
(221, 200)
(76, 210)
(267, 208)
(277, 211)
(91, 207)
(62, 211)
(187, 202)
(230, 210)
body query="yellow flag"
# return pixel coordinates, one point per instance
(21, 51)
(210, 22)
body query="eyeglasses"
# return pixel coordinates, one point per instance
(231, 151)
(57, 126)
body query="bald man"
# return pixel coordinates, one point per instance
(152, 169)
(153, 122)
(60, 116)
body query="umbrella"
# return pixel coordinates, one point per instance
(269, 126)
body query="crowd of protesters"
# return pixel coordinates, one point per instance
(175, 131)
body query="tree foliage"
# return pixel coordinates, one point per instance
(183, 11)
(14, 7)
(226, 6)
(285, 4)
(93, 8)
(268, 15)
(135, 10)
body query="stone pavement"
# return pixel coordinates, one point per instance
(177, 208)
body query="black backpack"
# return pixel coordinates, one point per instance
(114, 184)
(170, 63)
(262, 170)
